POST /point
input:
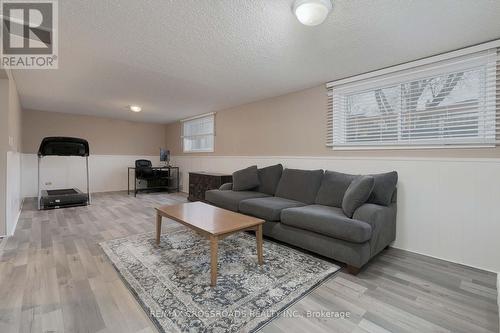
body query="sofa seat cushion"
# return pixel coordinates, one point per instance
(268, 209)
(328, 221)
(230, 199)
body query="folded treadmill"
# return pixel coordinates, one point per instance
(62, 198)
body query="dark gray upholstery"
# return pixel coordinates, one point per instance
(226, 186)
(394, 198)
(385, 184)
(299, 185)
(267, 208)
(322, 228)
(355, 254)
(357, 193)
(329, 221)
(383, 222)
(229, 199)
(246, 179)
(269, 177)
(268, 226)
(333, 187)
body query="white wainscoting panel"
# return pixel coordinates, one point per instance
(447, 208)
(107, 172)
(14, 196)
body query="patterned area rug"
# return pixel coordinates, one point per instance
(172, 282)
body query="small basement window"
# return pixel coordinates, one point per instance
(198, 134)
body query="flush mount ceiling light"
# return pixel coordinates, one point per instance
(312, 12)
(135, 108)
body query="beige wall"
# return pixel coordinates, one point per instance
(15, 115)
(106, 136)
(291, 125)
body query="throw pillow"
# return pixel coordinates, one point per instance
(245, 179)
(357, 193)
(333, 187)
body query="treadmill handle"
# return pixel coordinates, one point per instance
(88, 185)
(38, 184)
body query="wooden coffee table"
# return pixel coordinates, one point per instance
(212, 222)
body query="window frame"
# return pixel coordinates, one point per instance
(212, 134)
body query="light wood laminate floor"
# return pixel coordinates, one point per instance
(55, 278)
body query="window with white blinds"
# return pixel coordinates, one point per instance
(198, 134)
(452, 102)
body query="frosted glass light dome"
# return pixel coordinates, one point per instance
(312, 12)
(135, 108)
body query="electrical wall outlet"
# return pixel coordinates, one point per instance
(11, 141)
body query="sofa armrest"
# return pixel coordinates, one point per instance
(383, 222)
(369, 212)
(226, 187)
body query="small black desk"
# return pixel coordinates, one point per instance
(172, 178)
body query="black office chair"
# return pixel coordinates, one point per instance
(143, 170)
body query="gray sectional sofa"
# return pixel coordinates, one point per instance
(349, 218)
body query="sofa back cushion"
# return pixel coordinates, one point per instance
(299, 185)
(357, 193)
(269, 177)
(245, 179)
(333, 188)
(383, 190)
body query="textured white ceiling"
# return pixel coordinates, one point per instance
(178, 58)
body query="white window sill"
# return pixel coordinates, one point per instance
(198, 151)
(340, 148)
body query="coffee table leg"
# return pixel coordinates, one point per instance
(258, 235)
(214, 243)
(158, 228)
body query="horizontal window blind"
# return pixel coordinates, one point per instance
(453, 102)
(497, 114)
(198, 133)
